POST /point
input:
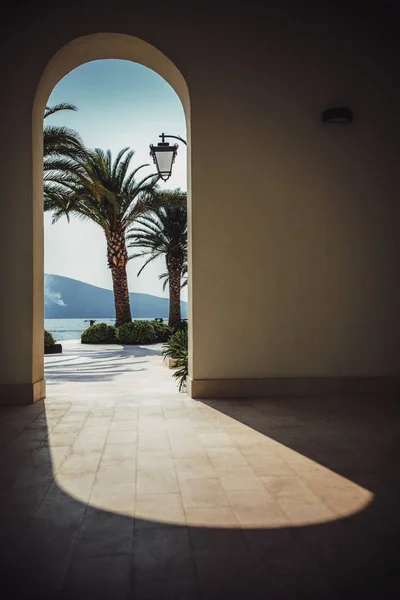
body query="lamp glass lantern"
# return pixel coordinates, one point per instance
(164, 155)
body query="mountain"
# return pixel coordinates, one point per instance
(66, 298)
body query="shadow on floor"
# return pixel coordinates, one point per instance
(125, 558)
(97, 364)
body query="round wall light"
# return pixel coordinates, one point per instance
(339, 114)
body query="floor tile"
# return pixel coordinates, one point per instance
(187, 448)
(194, 467)
(62, 439)
(162, 554)
(156, 481)
(101, 577)
(119, 453)
(178, 589)
(216, 516)
(87, 462)
(124, 425)
(202, 493)
(154, 459)
(84, 444)
(112, 473)
(268, 464)
(255, 508)
(115, 497)
(159, 443)
(76, 485)
(158, 510)
(238, 478)
(122, 437)
(215, 440)
(226, 456)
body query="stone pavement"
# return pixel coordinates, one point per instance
(118, 486)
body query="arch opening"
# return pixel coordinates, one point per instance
(78, 52)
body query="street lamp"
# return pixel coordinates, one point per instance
(164, 155)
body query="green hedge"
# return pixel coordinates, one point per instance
(48, 339)
(163, 331)
(98, 334)
(138, 332)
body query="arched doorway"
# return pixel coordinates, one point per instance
(79, 51)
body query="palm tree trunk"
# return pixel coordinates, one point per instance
(175, 273)
(121, 296)
(117, 260)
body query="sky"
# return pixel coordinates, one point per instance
(120, 104)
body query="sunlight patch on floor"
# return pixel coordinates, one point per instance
(190, 465)
(124, 440)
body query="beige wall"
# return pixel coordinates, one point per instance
(294, 224)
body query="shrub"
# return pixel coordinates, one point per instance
(138, 332)
(182, 325)
(48, 339)
(177, 348)
(98, 334)
(163, 331)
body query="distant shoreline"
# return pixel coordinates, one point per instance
(100, 318)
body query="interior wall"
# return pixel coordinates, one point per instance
(294, 224)
(301, 220)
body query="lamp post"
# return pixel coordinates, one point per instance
(164, 155)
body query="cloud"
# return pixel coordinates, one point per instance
(52, 297)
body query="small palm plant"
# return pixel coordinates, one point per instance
(177, 348)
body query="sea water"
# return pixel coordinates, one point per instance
(71, 329)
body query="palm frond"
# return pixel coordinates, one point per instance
(132, 175)
(162, 230)
(117, 161)
(120, 172)
(91, 186)
(50, 110)
(58, 139)
(165, 277)
(149, 260)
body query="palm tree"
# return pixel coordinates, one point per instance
(61, 146)
(164, 277)
(163, 232)
(103, 192)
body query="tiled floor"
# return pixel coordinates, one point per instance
(117, 486)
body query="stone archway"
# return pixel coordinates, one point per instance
(79, 51)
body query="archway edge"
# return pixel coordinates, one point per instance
(101, 46)
(81, 50)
